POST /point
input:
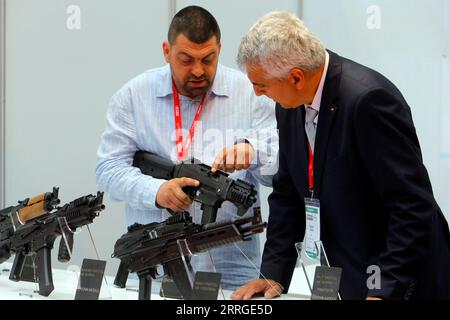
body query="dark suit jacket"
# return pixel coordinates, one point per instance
(377, 204)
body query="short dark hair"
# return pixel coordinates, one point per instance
(196, 23)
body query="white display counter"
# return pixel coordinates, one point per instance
(66, 281)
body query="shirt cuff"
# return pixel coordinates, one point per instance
(150, 191)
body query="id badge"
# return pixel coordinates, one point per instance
(312, 234)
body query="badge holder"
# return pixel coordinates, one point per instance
(310, 260)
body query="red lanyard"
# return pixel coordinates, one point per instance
(183, 150)
(311, 168)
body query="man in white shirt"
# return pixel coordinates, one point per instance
(223, 122)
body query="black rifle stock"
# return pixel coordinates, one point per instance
(144, 247)
(214, 188)
(36, 237)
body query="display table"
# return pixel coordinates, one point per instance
(66, 281)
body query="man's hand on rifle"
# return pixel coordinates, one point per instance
(171, 196)
(237, 157)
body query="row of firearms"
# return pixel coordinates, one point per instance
(30, 228)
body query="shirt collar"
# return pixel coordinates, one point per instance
(220, 87)
(318, 96)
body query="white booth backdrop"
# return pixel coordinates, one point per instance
(65, 58)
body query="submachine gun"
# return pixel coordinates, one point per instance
(144, 247)
(36, 237)
(214, 188)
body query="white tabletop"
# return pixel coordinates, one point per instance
(66, 282)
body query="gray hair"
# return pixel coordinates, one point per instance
(279, 42)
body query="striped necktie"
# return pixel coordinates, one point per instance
(310, 126)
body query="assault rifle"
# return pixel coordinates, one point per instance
(145, 247)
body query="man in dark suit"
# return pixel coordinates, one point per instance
(347, 139)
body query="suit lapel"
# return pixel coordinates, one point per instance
(327, 115)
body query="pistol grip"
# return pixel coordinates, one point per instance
(209, 214)
(145, 285)
(122, 275)
(18, 264)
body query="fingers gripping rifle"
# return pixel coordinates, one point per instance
(13, 217)
(37, 236)
(144, 247)
(214, 188)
